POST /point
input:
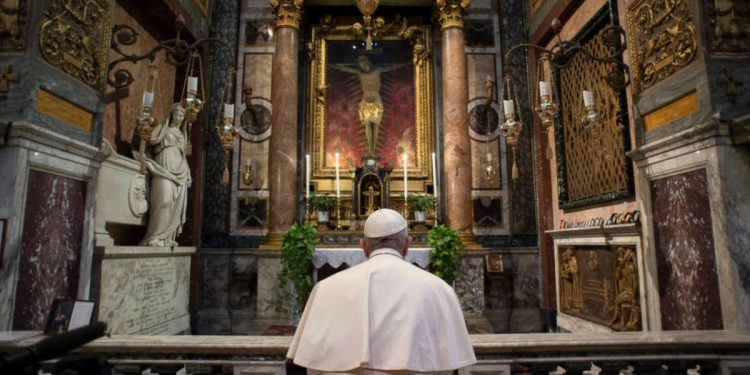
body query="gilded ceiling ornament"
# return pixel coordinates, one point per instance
(451, 12)
(663, 38)
(288, 12)
(75, 37)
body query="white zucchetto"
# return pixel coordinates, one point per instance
(384, 222)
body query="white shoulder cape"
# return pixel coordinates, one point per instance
(383, 314)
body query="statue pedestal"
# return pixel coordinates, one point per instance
(143, 290)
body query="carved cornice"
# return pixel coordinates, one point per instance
(288, 12)
(451, 12)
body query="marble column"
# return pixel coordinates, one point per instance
(282, 168)
(457, 149)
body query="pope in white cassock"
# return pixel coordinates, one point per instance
(383, 316)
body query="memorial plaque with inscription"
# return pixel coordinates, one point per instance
(600, 284)
(142, 294)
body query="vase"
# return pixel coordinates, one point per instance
(323, 216)
(419, 216)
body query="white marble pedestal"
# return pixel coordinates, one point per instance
(143, 290)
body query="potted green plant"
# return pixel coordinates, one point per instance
(420, 204)
(444, 243)
(323, 205)
(297, 250)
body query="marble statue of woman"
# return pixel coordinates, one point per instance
(170, 179)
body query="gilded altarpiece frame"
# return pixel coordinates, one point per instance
(323, 168)
(592, 167)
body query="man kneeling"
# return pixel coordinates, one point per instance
(384, 316)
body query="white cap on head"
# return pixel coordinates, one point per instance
(384, 222)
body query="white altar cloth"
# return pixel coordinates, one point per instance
(351, 256)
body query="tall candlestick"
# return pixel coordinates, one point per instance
(307, 176)
(544, 88)
(192, 84)
(434, 176)
(338, 184)
(508, 107)
(406, 180)
(588, 98)
(148, 99)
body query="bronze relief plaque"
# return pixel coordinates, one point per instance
(74, 37)
(600, 284)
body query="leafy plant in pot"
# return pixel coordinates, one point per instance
(323, 205)
(420, 204)
(444, 243)
(297, 250)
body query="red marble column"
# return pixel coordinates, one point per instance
(457, 149)
(282, 166)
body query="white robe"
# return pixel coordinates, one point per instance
(384, 314)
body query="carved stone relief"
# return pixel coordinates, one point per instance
(74, 37)
(729, 25)
(12, 22)
(663, 39)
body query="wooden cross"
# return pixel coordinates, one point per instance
(6, 77)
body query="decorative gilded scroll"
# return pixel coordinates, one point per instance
(74, 37)
(729, 25)
(12, 22)
(592, 167)
(288, 12)
(319, 94)
(451, 12)
(663, 39)
(600, 284)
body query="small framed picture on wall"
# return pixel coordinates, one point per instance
(65, 315)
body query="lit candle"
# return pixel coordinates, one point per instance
(544, 88)
(229, 111)
(588, 98)
(192, 84)
(434, 176)
(508, 107)
(307, 176)
(406, 180)
(248, 163)
(488, 79)
(338, 184)
(489, 156)
(148, 99)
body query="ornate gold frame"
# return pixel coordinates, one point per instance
(424, 107)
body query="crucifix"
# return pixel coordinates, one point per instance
(370, 194)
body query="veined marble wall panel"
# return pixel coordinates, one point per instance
(257, 73)
(126, 105)
(29, 147)
(686, 262)
(51, 247)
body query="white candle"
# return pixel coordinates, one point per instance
(508, 107)
(229, 111)
(148, 99)
(307, 176)
(248, 163)
(489, 156)
(434, 175)
(588, 98)
(406, 180)
(193, 84)
(338, 184)
(544, 88)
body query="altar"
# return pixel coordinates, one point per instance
(351, 256)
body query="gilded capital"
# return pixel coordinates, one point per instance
(288, 12)
(451, 12)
